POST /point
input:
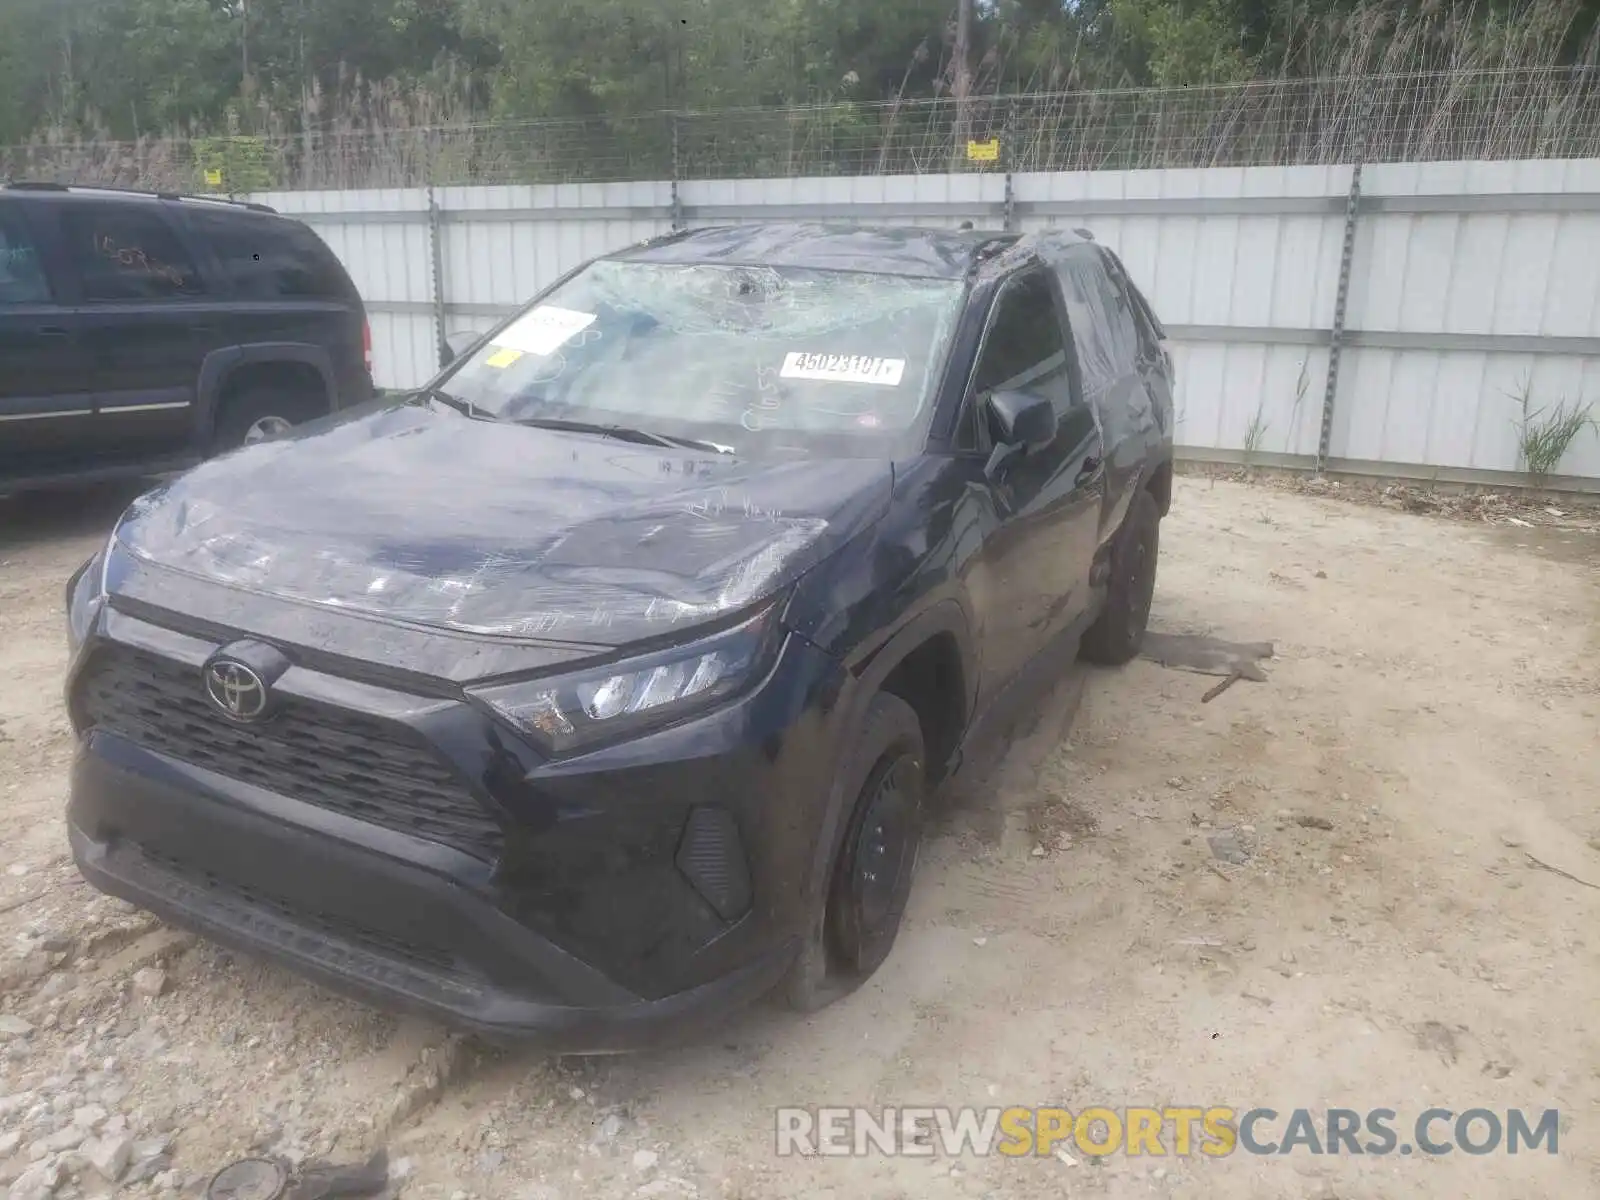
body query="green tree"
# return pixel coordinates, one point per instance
(132, 67)
(1173, 43)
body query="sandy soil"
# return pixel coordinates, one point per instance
(1427, 737)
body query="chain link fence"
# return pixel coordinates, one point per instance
(1521, 114)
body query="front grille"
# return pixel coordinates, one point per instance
(375, 771)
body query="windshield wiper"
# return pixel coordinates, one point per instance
(456, 402)
(623, 433)
(694, 443)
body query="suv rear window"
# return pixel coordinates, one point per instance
(128, 252)
(264, 258)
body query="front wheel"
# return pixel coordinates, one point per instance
(852, 935)
(1117, 634)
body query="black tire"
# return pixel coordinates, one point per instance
(241, 415)
(1117, 634)
(860, 915)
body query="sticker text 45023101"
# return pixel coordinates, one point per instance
(844, 368)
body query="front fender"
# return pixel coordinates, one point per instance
(865, 679)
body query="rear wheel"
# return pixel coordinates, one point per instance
(1116, 636)
(259, 414)
(872, 870)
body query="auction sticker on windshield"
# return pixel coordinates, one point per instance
(503, 357)
(844, 368)
(544, 330)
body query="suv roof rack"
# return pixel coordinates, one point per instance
(40, 186)
(990, 247)
(663, 239)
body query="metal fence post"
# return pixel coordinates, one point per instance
(1341, 299)
(677, 168)
(1008, 158)
(436, 270)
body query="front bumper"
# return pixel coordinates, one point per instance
(307, 936)
(603, 917)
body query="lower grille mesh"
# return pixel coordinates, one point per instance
(333, 925)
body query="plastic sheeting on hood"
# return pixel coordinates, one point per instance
(431, 518)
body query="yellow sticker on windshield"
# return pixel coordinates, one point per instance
(503, 357)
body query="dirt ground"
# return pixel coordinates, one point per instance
(1427, 738)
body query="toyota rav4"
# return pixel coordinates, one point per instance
(596, 687)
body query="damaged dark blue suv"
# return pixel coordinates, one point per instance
(597, 686)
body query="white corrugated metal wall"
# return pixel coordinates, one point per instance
(1216, 275)
(1468, 282)
(1531, 274)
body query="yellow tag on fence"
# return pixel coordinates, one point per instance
(984, 151)
(503, 357)
(213, 178)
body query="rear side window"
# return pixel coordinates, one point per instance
(22, 278)
(128, 252)
(1144, 317)
(267, 259)
(1102, 327)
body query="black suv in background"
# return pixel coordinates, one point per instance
(595, 687)
(141, 333)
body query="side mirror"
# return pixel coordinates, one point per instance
(458, 343)
(1023, 422)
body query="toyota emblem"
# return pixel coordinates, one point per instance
(236, 689)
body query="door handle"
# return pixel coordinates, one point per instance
(51, 331)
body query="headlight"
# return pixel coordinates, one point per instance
(84, 590)
(625, 699)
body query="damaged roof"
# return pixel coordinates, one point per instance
(884, 249)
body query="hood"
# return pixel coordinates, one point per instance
(429, 518)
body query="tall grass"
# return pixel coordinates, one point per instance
(1545, 434)
(1450, 83)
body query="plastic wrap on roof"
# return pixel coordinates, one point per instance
(881, 250)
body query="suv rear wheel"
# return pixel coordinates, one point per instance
(257, 414)
(872, 869)
(1117, 634)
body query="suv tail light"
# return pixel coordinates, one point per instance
(366, 344)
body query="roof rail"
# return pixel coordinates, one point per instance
(42, 186)
(990, 247)
(664, 239)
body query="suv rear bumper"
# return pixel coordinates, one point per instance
(230, 869)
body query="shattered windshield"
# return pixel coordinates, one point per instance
(735, 355)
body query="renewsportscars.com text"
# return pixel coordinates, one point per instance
(1215, 1131)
